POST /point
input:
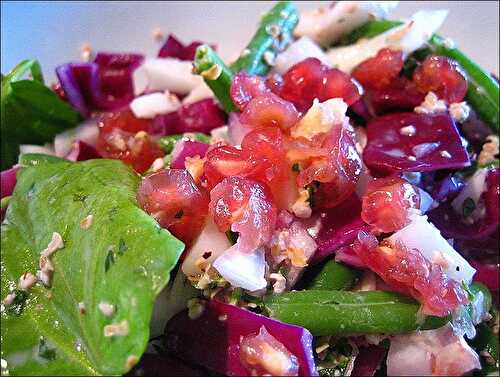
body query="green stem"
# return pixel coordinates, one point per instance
(216, 74)
(273, 34)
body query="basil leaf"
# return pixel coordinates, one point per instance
(31, 113)
(49, 335)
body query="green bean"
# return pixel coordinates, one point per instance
(273, 33)
(347, 313)
(331, 276)
(482, 92)
(216, 74)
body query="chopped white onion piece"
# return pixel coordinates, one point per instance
(407, 38)
(165, 74)
(200, 92)
(243, 269)
(299, 50)
(86, 132)
(210, 240)
(327, 25)
(148, 106)
(425, 237)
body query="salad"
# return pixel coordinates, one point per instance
(327, 203)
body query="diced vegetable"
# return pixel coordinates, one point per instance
(347, 313)
(213, 339)
(86, 132)
(433, 352)
(414, 142)
(149, 105)
(201, 117)
(159, 74)
(272, 36)
(184, 149)
(299, 50)
(408, 37)
(173, 48)
(339, 228)
(424, 236)
(81, 151)
(326, 25)
(473, 215)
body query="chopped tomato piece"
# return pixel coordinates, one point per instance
(174, 200)
(269, 110)
(310, 79)
(379, 72)
(409, 272)
(245, 206)
(387, 203)
(262, 157)
(337, 172)
(124, 137)
(443, 76)
(245, 87)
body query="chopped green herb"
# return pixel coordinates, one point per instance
(122, 247)
(468, 207)
(110, 259)
(179, 214)
(4, 203)
(79, 197)
(17, 306)
(44, 351)
(296, 167)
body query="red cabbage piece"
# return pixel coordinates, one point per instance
(7, 185)
(414, 142)
(201, 116)
(173, 48)
(80, 82)
(339, 228)
(81, 151)
(393, 99)
(447, 188)
(104, 84)
(213, 339)
(488, 274)
(361, 109)
(163, 365)
(115, 76)
(451, 223)
(8, 182)
(368, 361)
(186, 148)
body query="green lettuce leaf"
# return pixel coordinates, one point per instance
(31, 113)
(123, 258)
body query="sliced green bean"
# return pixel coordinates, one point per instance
(347, 313)
(216, 74)
(331, 276)
(274, 31)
